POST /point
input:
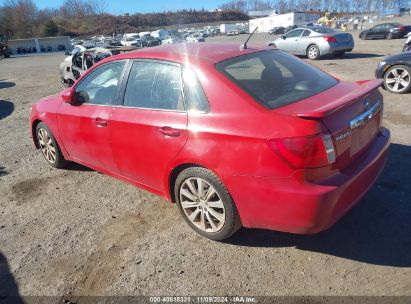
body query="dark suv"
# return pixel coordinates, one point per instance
(385, 31)
(148, 41)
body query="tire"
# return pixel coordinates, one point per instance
(389, 36)
(398, 79)
(313, 52)
(56, 158)
(217, 225)
(364, 36)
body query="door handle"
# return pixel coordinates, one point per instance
(169, 131)
(101, 122)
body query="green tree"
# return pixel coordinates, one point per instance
(50, 28)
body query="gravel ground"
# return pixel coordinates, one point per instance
(79, 232)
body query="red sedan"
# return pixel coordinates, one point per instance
(236, 137)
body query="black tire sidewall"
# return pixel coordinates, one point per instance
(60, 160)
(408, 89)
(232, 220)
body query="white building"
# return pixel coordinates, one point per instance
(296, 18)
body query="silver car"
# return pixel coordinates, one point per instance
(314, 42)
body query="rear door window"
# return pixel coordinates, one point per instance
(154, 85)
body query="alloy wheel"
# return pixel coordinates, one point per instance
(46, 145)
(202, 204)
(398, 79)
(312, 52)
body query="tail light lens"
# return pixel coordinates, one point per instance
(330, 38)
(306, 152)
(402, 28)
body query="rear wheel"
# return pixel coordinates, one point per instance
(49, 147)
(205, 204)
(313, 52)
(398, 79)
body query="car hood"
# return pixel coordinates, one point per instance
(398, 57)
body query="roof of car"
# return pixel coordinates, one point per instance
(179, 52)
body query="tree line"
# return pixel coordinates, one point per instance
(22, 18)
(345, 6)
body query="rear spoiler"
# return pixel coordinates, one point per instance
(363, 88)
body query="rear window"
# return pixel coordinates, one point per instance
(324, 30)
(276, 78)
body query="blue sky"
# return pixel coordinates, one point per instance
(130, 6)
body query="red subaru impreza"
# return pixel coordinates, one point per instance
(236, 137)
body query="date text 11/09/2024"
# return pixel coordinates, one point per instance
(203, 299)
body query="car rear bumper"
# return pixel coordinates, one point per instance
(333, 48)
(297, 206)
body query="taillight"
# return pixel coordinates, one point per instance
(402, 28)
(330, 38)
(306, 152)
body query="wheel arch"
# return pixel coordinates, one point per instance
(34, 133)
(311, 44)
(390, 65)
(172, 177)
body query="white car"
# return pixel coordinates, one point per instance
(130, 40)
(171, 40)
(195, 38)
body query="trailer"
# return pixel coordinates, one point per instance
(229, 29)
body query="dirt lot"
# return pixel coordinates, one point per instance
(79, 232)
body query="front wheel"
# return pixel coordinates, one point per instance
(49, 147)
(398, 79)
(205, 204)
(389, 36)
(364, 37)
(313, 52)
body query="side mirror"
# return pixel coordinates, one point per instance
(69, 96)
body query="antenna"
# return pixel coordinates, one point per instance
(244, 46)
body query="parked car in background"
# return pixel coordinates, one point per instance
(232, 33)
(130, 40)
(315, 42)
(195, 38)
(290, 148)
(396, 72)
(385, 31)
(290, 28)
(277, 30)
(82, 59)
(148, 41)
(171, 40)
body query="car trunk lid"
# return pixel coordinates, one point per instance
(343, 38)
(351, 113)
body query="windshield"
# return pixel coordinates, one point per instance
(275, 78)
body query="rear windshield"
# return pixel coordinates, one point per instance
(276, 78)
(323, 30)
